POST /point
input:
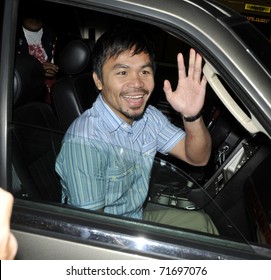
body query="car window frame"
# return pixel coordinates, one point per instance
(9, 22)
(44, 212)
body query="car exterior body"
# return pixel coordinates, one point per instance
(257, 12)
(238, 69)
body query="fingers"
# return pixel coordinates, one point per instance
(12, 247)
(195, 65)
(167, 87)
(190, 84)
(6, 202)
(192, 60)
(8, 243)
(181, 67)
(50, 73)
(50, 69)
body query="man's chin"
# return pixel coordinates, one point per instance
(135, 115)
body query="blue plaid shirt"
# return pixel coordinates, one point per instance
(106, 163)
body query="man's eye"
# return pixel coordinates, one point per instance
(146, 72)
(122, 73)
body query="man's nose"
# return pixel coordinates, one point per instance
(136, 81)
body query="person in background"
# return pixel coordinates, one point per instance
(8, 242)
(39, 40)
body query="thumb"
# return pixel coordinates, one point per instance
(12, 247)
(167, 88)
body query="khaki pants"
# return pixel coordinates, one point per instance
(194, 220)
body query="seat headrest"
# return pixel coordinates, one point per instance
(29, 79)
(74, 58)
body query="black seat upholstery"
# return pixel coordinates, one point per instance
(75, 91)
(29, 80)
(36, 133)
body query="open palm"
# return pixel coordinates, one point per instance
(188, 98)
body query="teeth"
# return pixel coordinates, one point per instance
(133, 97)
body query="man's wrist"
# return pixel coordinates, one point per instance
(192, 118)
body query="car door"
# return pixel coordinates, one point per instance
(50, 230)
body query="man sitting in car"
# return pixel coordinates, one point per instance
(107, 153)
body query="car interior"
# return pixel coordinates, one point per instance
(232, 188)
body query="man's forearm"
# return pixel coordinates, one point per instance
(197, 142)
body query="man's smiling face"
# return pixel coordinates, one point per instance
(128, 81)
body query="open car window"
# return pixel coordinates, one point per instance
(231, 188)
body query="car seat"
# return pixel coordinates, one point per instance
(74, 91)
(36, 133)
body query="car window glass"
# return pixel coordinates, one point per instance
(264, 55)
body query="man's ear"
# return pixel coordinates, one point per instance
(97, 81)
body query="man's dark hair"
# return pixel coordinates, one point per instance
(117, 40)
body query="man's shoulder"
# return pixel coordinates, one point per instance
(90, 115)
(85, 123)
(153, 114)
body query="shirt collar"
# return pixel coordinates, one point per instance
(111, 120)
(114, 122)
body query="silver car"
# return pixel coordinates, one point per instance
(234, 188)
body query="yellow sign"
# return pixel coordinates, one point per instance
(257, 8)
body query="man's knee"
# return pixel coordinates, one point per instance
(194, 220)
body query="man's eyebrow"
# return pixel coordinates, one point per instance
(119, 65)
(147, 65)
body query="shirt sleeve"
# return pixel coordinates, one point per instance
(81, 168)
(168, 134)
